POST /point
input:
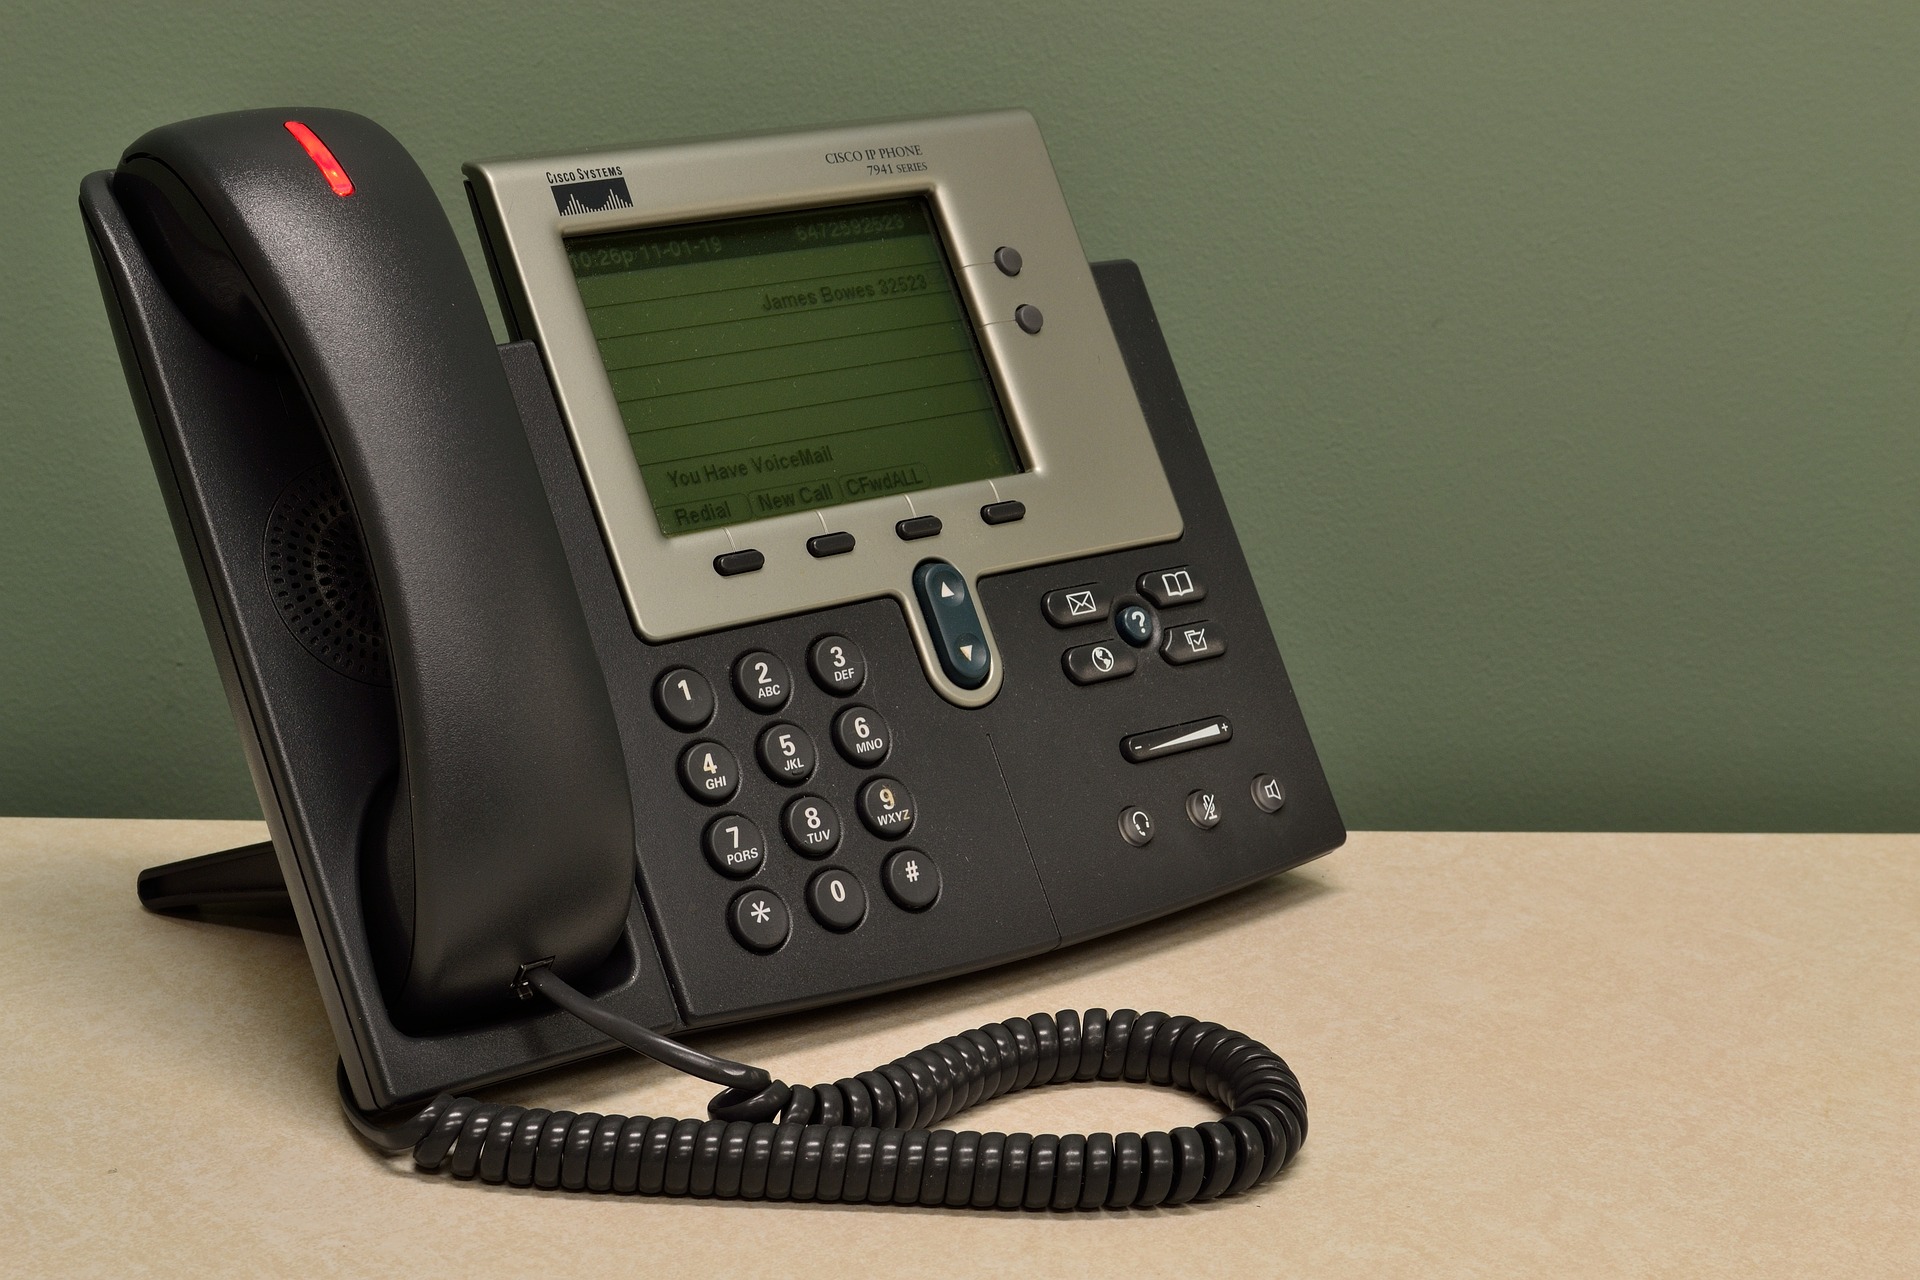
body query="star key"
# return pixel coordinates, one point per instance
(759, 920)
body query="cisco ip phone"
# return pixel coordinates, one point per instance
(824, 590)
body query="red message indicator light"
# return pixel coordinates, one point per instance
(317, 152)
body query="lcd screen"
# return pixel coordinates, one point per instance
(778, 363)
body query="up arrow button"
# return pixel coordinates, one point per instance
(954, 623)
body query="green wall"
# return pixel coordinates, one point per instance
(1560, 367)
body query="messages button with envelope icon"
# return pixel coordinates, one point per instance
(1072, 606)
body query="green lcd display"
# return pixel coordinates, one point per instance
(773, 364)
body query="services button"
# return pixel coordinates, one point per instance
(1071, 606)
(1092, 663)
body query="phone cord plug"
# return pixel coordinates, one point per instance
(873, 1138)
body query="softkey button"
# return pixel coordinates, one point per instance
(760, 920)
(1092, 663)
(709, 773)
(762, 681)
(811, 826)
(734, 846)
(786, 753)
(1174, 739)
(887, 808)
(837, 664)
(836, 900)
(684, 698)
(911, 879)
(1071, 606)
(822, 545)
(862, 736)
(958, 636)
(1004, 512)
(1168, 587)
(1192, 642)
(913, 528)
(733, 563)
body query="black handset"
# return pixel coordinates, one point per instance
(510, 834)
(603, 684)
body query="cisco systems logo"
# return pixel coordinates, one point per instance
(589, 190)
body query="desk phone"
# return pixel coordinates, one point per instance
(824, 590)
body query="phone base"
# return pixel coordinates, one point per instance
(247, 877)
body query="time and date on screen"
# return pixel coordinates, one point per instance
(785, 362)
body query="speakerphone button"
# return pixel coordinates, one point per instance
(911, 879)
(734, 846)
(709, 773)
(1268, 794)
(837, 664)
(836, 900)
(811, 826)
(947, 604)
(886, 807)
(684, 698)
(762, 681)
(1092, 663)
(1169, 587)
(759, 920)
(786, 753)
(732, 563)
(1071, 606)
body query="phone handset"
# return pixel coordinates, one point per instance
(311, 239)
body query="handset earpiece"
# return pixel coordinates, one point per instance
(512, 809)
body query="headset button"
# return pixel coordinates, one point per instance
(760, 920)
(1136, 826)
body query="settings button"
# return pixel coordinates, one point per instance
(1092, 663)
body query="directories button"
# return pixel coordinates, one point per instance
(947, 603)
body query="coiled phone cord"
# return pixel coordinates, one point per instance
(871, 1139)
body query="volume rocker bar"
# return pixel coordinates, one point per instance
(1174, 739)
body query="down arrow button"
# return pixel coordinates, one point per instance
(958, 637)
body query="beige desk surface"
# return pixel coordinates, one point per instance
(1523, 1055)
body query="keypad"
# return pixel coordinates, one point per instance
(734, 846)
(836, 900)
(886, 806)
(709, 773)
(762, 681)
(811, 826)
(684, 698)
(862, 736)
(837, 665)
(786, 753)
(735, 842)
(911, 878)
(760, 920)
